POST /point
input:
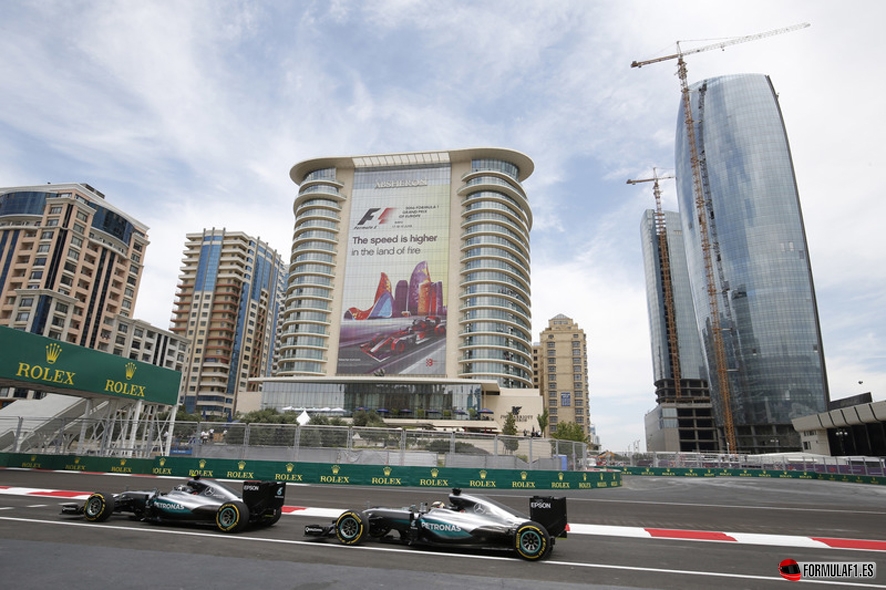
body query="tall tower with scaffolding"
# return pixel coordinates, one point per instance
(682, 418)
(747, 257)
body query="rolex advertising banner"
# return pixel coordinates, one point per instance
(44, 364)
(344, 474)
(84, 463)
(394, 316)
(394, 476)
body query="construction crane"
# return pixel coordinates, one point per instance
(667, 286)
(701, 215)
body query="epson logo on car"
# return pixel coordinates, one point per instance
(540, 504)
(250, 488)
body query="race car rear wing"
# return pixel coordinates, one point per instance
(260, 496)
(549, 512)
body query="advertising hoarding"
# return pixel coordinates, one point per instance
(394, 317)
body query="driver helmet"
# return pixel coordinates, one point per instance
(438, 504)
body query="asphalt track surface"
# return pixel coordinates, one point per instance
(651, 533)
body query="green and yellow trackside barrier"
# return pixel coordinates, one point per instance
(324, 473)
(745, 472)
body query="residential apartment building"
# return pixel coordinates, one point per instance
(228, 305)
(139, 340)
(563, 374)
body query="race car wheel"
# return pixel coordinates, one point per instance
(232, 517)
(532, 541)
(99, 507)
(351, 527)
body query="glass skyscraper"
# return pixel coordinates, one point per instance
(692, 364)
(759, 257)
(681, 419)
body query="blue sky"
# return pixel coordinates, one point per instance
(189, 115)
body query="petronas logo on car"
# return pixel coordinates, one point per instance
(441, 527)
(170, 506)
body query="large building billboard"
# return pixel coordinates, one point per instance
(394, 309)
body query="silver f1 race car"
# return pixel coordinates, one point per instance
(467, 521)
(197, 501)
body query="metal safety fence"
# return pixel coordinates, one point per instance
(288, 442)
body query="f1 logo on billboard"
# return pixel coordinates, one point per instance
(376, 216)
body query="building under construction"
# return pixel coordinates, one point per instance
(747, 257)
(682, 419)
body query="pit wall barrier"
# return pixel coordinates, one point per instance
(323, 473)
(770, 473)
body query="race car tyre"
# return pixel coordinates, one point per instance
(232, 517)
(532, 541)
(351, 527)
(99, 507)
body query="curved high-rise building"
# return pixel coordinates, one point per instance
(413, 264)
(759, 260)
